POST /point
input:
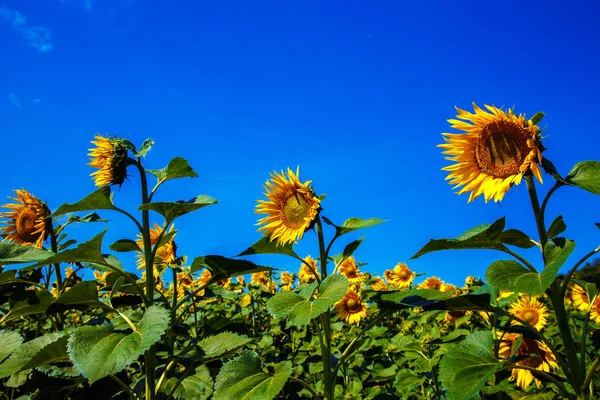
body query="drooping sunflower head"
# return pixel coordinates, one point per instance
(401, 276)
(537, 354)
(305, 274)
(580, 297)
(290, 208)
(28, 222)
(110, 157)
(433, 282)
(166, 253)
(493, 152)
(530, 310)
(349, 268)
(350, 308)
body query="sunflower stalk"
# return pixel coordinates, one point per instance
(325, 318)
(554, 292)
(59, 281)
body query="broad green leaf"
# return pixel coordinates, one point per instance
(407, 380)
(25, 352)
(171, 211)
(296, 309)
(146, 146)
(125, 245)
(550, 169)
(90, 251)
(54, 352)
(481, 237)
(512, 276)
(348, 251)
(466, 367)
(586, 175)
(352, 224)
(98, 351)
(177, 168)
(82, 294)
(222, 343)
(223, 267)
(10, 342)
(451, 337)
(556, 252)
(28, 302)
(59, 371)
(470, 302)
(91, 217)
(196, 387)
(557, 227)
(412, 298)
(333, 288)
(515, 237)
(12, 253)
(281, 304)
(10, 277)
(382, 373)
(266, 246)
(243, 379)
(489, 289)
(307, 291)
(101, 199)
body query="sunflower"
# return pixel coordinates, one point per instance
(378, 284)
(165, 255)
(28, 223)
(350, 308)
(433, 282)
(580, 297)
(261, 278)
(455, 315)
(401, 276)
(530, 310)
(538, 356)
(595, 312)
(349, 269)
(101, 277)
(291, 207)
(494, 151)
(110, 157)
(203, 280)
(286, 280)
(305, 275)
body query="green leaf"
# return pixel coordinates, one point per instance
(12, 253)
(91, 217)
(90, 251)
(177, 168)
(333, 288)
(466, 367)
(98, 351)
(352, 224)
(407, 380)
(512, 276)
(124, 245)
(196, 387)
(586, 175)
(172, 211)
(348, 251)
(223, 267)
(515, 237)
(54, 352)
(557, 227)
(10, 277)
(243, 379)
(146, 146)
(537, 118)
(83, 294)
(470, 302)
(101, 199)
(481, 237)
(223, 343)
(10, 342)
(25, 352)
(28, 302)
(266, 246)
(550, 169)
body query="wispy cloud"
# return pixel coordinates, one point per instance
(34, 36)
(14, 100)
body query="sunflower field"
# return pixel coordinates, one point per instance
(75, 323)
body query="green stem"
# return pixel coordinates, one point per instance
(131, 217)
(59, 280)
(547, 376)
(574, 268)
(123, 386)
(325, 317)
(306, 386)
(547, 198)
(590, 373)
(173, 311)
(583, 341)
(520, 258)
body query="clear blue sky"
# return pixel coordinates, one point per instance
(357, 93)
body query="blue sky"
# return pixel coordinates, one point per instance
(357, 93)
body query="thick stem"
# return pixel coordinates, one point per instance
(325, 318)
(59, 281)
(125, 388)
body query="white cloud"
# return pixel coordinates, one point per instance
(35, 36)
(14, 100)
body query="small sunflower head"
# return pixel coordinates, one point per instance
(166, 253)
(306, 274)
(349, 269)
(401, 276)
(530, 310)
(110, 157)
(378, 284)
(28, 222)
(433, 282)
(291, 207)
(350, 308)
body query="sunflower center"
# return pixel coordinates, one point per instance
(25, 225)
(296, 209)
(352, 305)
(531, 316)
(404, 275)
(502, 148)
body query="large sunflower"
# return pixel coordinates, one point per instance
(530, 310)
(305, 274)
(166, 253)
(28, 223)
(349, 268)
(433, 282)
(291, 207)
(538, 356)
(110, 157)
(350, 308)
(401, 276)
(494, 151)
